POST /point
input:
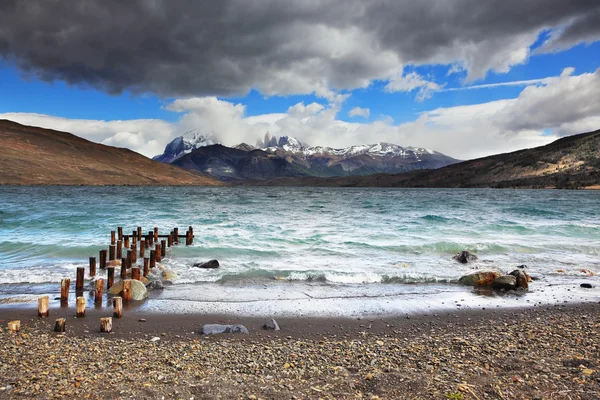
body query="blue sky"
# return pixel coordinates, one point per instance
(397, 91)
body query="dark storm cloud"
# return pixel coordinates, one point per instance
(192, 48)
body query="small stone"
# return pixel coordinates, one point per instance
(586, 285)
(465, 257)
(207, 265)
(271, 325)
(155, 339)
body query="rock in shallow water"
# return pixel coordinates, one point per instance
(522, 278)
(214, 329)
(208, 264)
(464, 257)
(138, 290)
(506, 282)
(480, 278)
(271, 325)
(169, 275)
(156, 285)
(586, 285)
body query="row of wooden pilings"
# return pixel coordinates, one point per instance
(118, 242)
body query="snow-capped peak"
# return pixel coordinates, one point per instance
(188, 142)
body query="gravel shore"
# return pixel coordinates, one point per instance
(535, 353)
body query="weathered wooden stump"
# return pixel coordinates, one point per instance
(135, 273)
(43, 306)
(120, 232)
(155, 234)
(79, 281)
(139, 232)
(113, 239)
(98, 291)
(126, 241)
(163, 248)
(59, 325)
(65, 284)
(102, 259)
(123, 268)
(110, 277)
(112, 255)
(92, 266)
(134, 256)
(176, 234)
(146, 266)
(127, 290)
(14, 326)
(106, 325)
(170, 239)
(117, 307)
(157, 252)
(119, 249)
(142, 248)
(152, 259)
(80, 309)
(129, 258)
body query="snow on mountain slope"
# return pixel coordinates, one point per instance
(185, 144)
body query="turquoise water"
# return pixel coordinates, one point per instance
(334, 240)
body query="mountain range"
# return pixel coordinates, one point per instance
(37, 156)
(288, 157)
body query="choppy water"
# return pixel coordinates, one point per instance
(387, 249)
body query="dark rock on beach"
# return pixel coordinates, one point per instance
(208, 264)
(465, 257)
(271, 325)
(586, 285)
(506, 282)
(214, 329)
(522, 278)
(156, 285)
(480, 278)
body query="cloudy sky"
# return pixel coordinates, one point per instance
(464, 77)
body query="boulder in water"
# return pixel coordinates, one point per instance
(271, 325)
(156, 285)
(214, 329)
(480, 278)
(208, 264)
(506, 282)
(586, 285)
(465, 257)
(169, 274)
(138, 290)
(522, 278)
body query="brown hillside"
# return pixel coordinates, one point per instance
(36, 156)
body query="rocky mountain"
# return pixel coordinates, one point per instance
(36, 156)
(569, 163)
(185, 144)
(230, 164)
(304, 160)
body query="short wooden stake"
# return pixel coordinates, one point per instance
(146, 266)
(113, 239)
(187, 238)
(80, 311)
(176, 234)
(139, 232)
(150, 239)
(123, 268)
(170, 240)
(127, 290)
(134, 254)
(43, 306)
(117, 307)
(79, 281)
(106, 325)
(126, 241)
(135, 273)
(14, 326)
(65, 284)
(191, 231)
(98, 292)
(163, 248)
(156, 234)
(142, 248)
(92, 266)
(110, 277)
(59, 325)
(102, 259)
(120, 232)
(112, 255)
(157, 252)
(129, 258)
(133, 240)
(152, 259)
(119, 249)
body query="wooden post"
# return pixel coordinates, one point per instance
(98, 293)
(119, 249)
(133, 240)
(150, 239)
(80, 312)
(129, 258)
(142, 248)
(14, 326)
(106, 325)
(191, 231)
(123, 268)
(134, 253)
(135, 273)
(126, 241)
(43, 306)
(113, 239)
(163, 248)
(152, 259)
(65, 283)
(117, 307)
(120, 232)
(79, 281)
(127, 290)
(102, 259)
(110, 280)
(156, 234)
(170, 239)
(157, 252)
(139, 232)
(59, 325)
(111, 252)
(146, 266)
(187, 238)
(92, 266)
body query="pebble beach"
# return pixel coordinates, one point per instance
(549, 352)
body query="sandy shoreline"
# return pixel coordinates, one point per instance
(539, 352)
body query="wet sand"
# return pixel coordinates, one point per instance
(539, 352)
